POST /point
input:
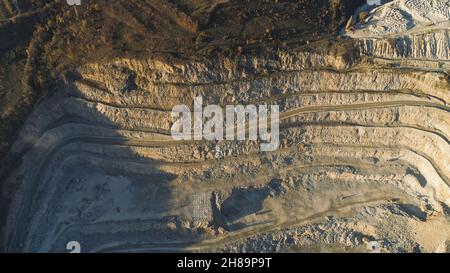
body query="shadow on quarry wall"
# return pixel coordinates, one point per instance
(89, 196)
(93, 191)
(241, 202)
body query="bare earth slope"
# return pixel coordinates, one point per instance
(364, 154)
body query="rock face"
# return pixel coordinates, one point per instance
(364, 155)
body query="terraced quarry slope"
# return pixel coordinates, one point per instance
(364, 154)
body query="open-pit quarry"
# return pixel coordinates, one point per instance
(364, 152)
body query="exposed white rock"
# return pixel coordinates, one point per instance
(400, 17)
